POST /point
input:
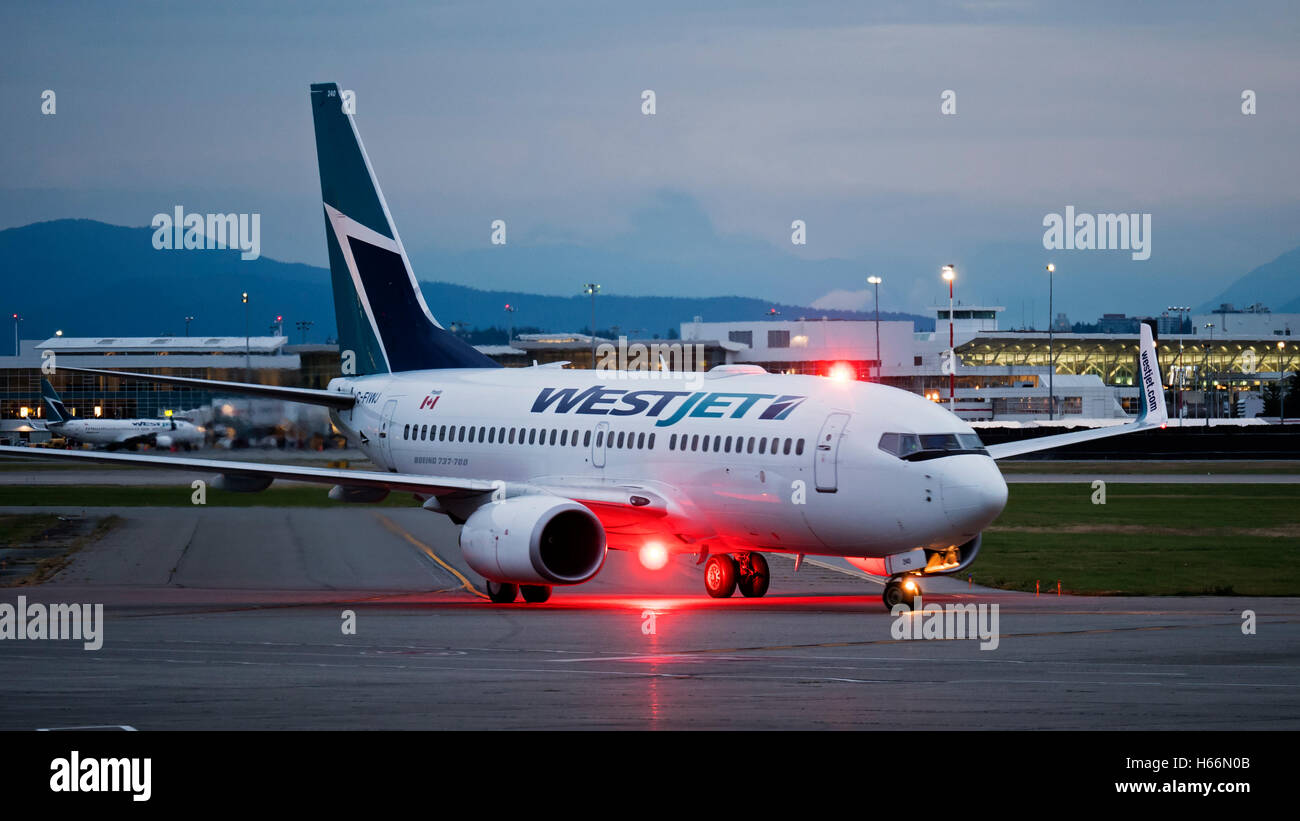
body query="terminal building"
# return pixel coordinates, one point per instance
(268, 360)
(1001, 376)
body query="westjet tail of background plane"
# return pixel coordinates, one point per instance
(548, 468)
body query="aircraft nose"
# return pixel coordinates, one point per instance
(974, 492)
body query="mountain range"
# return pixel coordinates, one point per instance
(89, 278)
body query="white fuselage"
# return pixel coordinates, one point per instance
(123, 431)
(791, 463)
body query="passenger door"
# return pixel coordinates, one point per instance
(386, 430)
(824, 455)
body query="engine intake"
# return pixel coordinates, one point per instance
(534, 540)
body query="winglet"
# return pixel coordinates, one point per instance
(1153, 393)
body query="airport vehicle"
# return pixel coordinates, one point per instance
(117, 433)
(546, 468)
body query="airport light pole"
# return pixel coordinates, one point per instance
(512, 310)
(248, 352)
(188, 320)
(1206, 361)
(875, 281)
(1051, 359)
(17, 319)
(592, 288)
(1281, 384)
(950, 274)
(1178, 398)
(304, 325)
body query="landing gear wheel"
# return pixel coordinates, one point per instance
(753, 584)
(535, 593)
(896, 594)
(502, 592)
(720, 576)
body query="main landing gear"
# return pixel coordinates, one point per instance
(901, 590)
(505, 593)
(724, 573)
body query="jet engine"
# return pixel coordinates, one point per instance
(534, 540)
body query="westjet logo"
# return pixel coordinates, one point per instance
(666, 407)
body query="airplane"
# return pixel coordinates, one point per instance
(116, 433)
(546, 469)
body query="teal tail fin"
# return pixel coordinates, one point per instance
(382, 316)
(57, 414)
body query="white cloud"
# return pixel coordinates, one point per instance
(842, 300)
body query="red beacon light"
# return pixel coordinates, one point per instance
(841, 372)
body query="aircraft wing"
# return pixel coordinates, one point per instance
(1153, 413)
(1007, 449)
(429, 485)
(310, 396)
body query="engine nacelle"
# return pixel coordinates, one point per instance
(534, 540)
(162, 441)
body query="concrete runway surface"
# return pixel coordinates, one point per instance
(231, 619)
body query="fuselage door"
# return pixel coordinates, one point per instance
(386, 431)
(599, 443)
(824, 455)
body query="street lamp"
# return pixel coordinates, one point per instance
(879, 359)
(950, 273)
(17, 319)
(188, 320)
(592, 288)
(1051, 360)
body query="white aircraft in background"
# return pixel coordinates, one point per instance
(547, 469)
(117, 433)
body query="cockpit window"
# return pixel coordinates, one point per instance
(917, 447)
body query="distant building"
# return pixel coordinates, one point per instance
(1254, 321)
(1117, 324)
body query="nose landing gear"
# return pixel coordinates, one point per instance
(900, 590)
(748, 571)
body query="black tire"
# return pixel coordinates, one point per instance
(895, 594)
(535, 593)
(720, 576)
(501, 592)
(754, 584)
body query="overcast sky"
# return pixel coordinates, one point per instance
(766, 113)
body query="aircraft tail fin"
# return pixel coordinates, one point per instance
(54, 408)
(382, 317)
